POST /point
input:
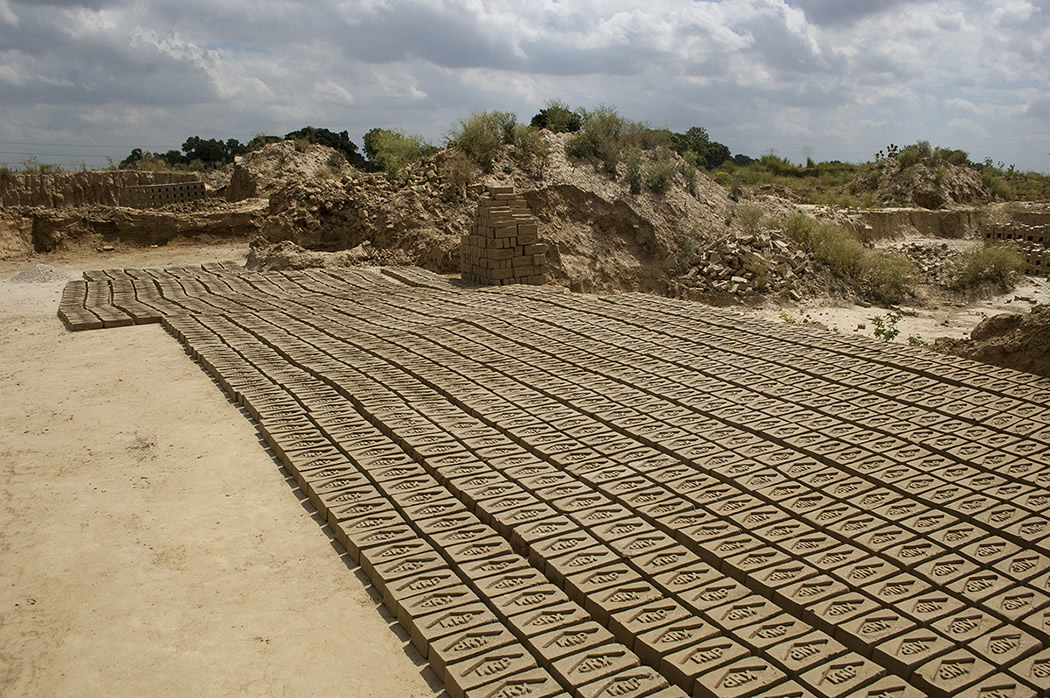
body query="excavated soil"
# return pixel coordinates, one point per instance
(1011, 340)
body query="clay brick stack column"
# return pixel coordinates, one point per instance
(503, 246)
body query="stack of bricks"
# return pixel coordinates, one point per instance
(503, 246)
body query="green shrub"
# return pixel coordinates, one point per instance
(390, 150)
(632, 159)
(659, 174)
(750, 217)
(912, 154)
(688, 172)
(888, 277)
(991, 264)
(601, 137)
(529, 146)
(558, 118)
(886, 326)
(480, 135)
(458, 173)
(723, 179)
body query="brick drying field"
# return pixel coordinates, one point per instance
(633, 496)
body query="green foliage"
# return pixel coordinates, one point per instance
(529, 146)
(689, 174)
(916, 340)
(390, 150)
(5, 172)
(481, 135)
(601, 136)
(723, 179)
(658, 174)
(890, 277)
(886, 326)
(558, 118)
(33, 165)
(750, 216)
(632, 159)
(707, 153)
(458, 173)
(992, 264)
(913, 154)
(787, 317)
(338, 141)
(886, 277)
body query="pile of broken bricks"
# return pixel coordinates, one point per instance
(745, 264)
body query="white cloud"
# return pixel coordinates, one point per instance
(851, 74)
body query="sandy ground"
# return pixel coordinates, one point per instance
(148, 544)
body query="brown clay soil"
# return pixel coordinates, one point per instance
(149, 545)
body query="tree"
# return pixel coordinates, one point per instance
(339, 141)
(710, 154)
(556, 117)
(389, 150)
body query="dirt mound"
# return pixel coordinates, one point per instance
(926, 184)
(264, 171)
(1011, 340)
(282, 256)
(39, 274)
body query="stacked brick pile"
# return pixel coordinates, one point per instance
(1032, 237)
(503, 246)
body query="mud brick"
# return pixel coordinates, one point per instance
(865, 631)
(772, 631)
(798, 597)
(1005, 646)
(1017, 603)
(593, 663)
(630, 683)
(930, 607)
(475, 572)
(752, 561)
(428, 581)
(389, 472)
(842, 675)
(511, 581)
(425, 630)
(799, 654)
(460, 646)
(325, 500)
(528, 600)
(928, 521)
(742, 612)
(749, 676)
(658, 562)
(527, 536)
(468, 676)
(889, 687)
(1032, 530)
(990, 550)
(567, 489)
(783, 530)
(557, 568)
(347, 532)
(559, 644)
(897, 588)
(966, 625)
(904, 653)
(820, 548)
(479, 549)
(573, 540)
(700, 657)
(980, 585)
(914, 552)
(715, 551)
(865, 571)
(605, 604)
(704, 537)
(431, 522)
(949, 674)
(759, 516)
(408, 493)
(361, 509)
(596, 512)
(401, 548)
(834, 612)
(614, 532)
(997, 685)
(545, 620)
(582, 584)
(692, 576)
(1034, 672)
(713, 593)
(958, 536)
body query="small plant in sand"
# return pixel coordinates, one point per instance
(886, 326)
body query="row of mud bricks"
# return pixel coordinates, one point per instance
(503, 246)
(1034, 241)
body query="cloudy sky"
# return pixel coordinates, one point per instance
(830, 79)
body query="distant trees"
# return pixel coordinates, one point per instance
(706, 153)
(389, 150)
(556, 117)
(211, 153)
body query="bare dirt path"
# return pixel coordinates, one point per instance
(148, 543)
